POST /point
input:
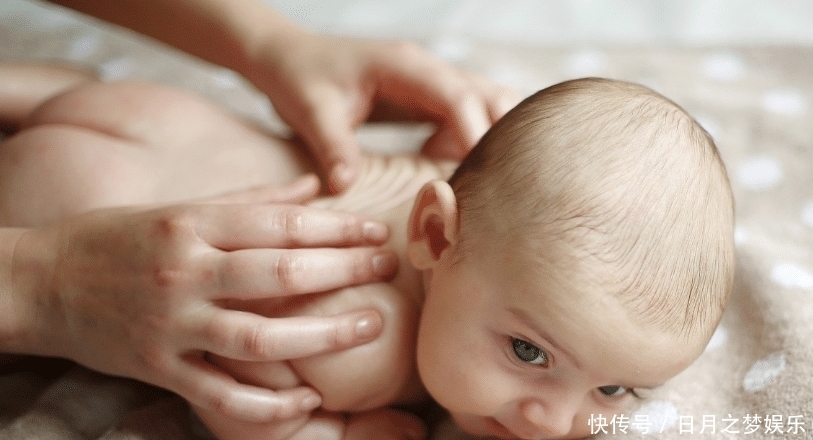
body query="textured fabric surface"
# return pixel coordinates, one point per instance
(753, 380)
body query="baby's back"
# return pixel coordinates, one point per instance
(381, 372)
(373, 375)
(151, 144)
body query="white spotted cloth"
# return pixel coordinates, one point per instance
(754, 380)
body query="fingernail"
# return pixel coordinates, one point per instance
(368, 327)
(310, 402)
(385, 264)
(375, 232)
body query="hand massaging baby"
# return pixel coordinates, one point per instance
(582, 250)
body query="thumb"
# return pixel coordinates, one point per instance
(299, 191)
(445, 143)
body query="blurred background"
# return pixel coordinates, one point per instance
(544, 22)
(526, 44)
(565, 22)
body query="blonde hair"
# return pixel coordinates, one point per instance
(622, 177)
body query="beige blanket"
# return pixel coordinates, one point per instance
(754, 379)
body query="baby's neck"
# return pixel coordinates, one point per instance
(386, 190)
(386, 182)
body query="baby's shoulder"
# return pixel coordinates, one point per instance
(376, 374)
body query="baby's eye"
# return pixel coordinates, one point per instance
(527, 352)
(613, 390)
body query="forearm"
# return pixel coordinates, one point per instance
(15, 305)
(225, 32)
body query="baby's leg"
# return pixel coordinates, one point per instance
(23, 87)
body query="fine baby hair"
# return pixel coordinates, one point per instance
(625, 183)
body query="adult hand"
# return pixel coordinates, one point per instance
(140, 293)
(324, 87)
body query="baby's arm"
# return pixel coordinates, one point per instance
(23, 87)
(381, 423)
(362, 380)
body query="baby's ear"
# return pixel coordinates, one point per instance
(433, 224)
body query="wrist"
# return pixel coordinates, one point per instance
(267, 43)
(24, 293)
(13, 309)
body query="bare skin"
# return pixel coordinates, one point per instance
(366, 379)
(510, 379)
(132, 280)
(324, 87)
(116, 145)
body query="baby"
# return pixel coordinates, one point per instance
(582, 253)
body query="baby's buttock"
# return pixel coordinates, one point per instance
(195, 149)
(115, 144)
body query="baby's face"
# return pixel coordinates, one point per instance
(512, 352)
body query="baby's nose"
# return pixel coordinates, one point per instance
(550, 421)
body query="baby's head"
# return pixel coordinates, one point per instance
(582, 252)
